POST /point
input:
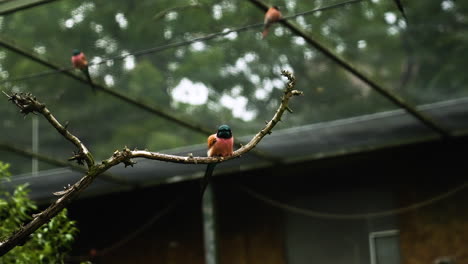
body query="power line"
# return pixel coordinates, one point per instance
(35, 75)
(178, 44)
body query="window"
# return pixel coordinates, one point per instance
(384, 247)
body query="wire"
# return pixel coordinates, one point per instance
(158, 215)
(323, 215)
(178, 44)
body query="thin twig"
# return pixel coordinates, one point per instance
(27, 101)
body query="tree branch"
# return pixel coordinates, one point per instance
(28, 104)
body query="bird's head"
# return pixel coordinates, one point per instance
(224, 131)
(76, 52)
(276, 7)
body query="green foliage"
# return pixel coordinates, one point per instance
(4, 172)
(49, 244)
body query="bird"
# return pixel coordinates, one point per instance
(80, 62)
(400, 7)
(271, 16)
(219, 145)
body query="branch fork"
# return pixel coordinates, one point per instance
(78, 156)
(125, 156)
(26, 102)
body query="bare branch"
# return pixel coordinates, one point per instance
(27, 104)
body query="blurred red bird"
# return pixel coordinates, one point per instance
(80, 62)
(271, 16)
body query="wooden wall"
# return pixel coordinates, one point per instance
(249, 231)
(440, 230)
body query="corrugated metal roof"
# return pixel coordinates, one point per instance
(327, 139)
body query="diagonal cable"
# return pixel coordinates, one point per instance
(151, 109)
(426, 120)
(10, 7)
(56, 162)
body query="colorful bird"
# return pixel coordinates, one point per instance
(400, 7)
(271, 16)
(80, 62)
(219, 145)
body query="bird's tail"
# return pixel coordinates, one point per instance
(400, 7)
(265, 31)
(86, 72)
(206, 179)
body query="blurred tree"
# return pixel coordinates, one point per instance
(232, 79)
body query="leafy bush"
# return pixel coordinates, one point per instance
(49, 244)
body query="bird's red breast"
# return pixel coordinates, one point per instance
(220, 147)
(79, 61)
(272, 15)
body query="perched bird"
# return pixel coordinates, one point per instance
(400, 7)
(80, 62)
(271, 16)
(219, 145)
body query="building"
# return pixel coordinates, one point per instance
(377, 189)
